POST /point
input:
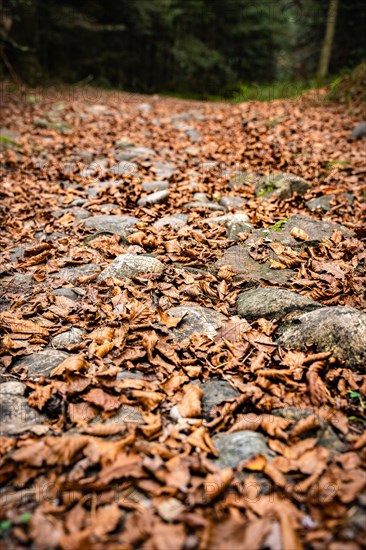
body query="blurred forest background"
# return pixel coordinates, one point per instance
(203, 48)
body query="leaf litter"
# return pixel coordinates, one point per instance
(125, 457)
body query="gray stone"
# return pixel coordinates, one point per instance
(177, 221)
(118, 225)
(339, 330)
(193, 134)
(162, 171)
(155, 185)
(129, 265)
(71, 274)
(200, 197)
(215, 392)
(205, 206)
(235, 223)
(15, 414)
(69, 338)
(41, 363)
(284, 186)
(250, 270)
(272, 303)
(144, 153)
(12, 388)
(126, 414)
(232, 202)
(316, 231)
(77, 212)
(197, 320)
(154, 198)
(359, 131)
(67, 293)
(323, 203)
(238, 447)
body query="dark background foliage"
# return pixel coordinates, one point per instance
(182, 46)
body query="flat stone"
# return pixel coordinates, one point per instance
(129, 153)
(154, 198)
(117, 225)
(162, 171)
(205, 206)
(129, 265)
(284, 186)
(155, 186)
(232, 202)
(197, 320)
(21, 280)
(250, 270)
(67, 293)
(339, 330)
(201, 197)
(323, 203)
(77, 212)
(235, 223)
(71, 274)
(12, 388)
(176, 221)
(126, 414)
(316, 231)
(16, 415)
(272, 303)
(215, 392)
(69, 338)
(359, 131)
(41, 363)
(238, 447)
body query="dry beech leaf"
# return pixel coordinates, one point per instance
(72, 364)
(299, 234)
(190, 405)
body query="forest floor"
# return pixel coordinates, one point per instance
(184, 369)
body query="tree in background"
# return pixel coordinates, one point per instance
(328, 39)
(185, 46)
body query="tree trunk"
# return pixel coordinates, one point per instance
(328, 39)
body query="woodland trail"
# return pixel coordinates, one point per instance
(182, 362)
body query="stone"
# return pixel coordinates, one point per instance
(67, 293)
(117, 225)
(155, 186)
(340, 330)
(126, 414)
(284, 186)
(176, 221)
(71, 274)
(154, 198)
(272, 303)
(69, 338)
(215, 392)
(248, 269)
(129, 153)
(316, 231)
(129, 265)
(193, 134)
(162, 171)
(12, 387)
(238, 447)
(359, 131)
(200, 197)
(235, 223)
(40, 363)
(230, 203)
(22, 280)
(323, 203)
(16, 415)
(197, 320)
(205, 206)
(77, 212)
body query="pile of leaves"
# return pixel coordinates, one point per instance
(125, 457)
